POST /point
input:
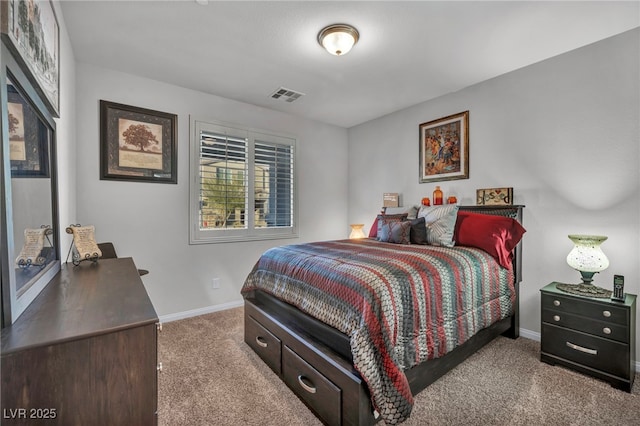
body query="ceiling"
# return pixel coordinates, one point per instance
(409, 52)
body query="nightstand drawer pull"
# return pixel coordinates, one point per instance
(302, 380)
(260, 341)
(556, 303)
(581, 349)
(606, 314)
(556, 317)
(606, 330)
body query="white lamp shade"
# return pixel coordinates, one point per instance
(586, 255)
(356, 231)
(338, 39)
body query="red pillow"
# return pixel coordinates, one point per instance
(373, 232)
(497, 235)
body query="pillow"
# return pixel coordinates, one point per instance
(395, 232)
(384, 218)
(411, 211)
(418, 231)
(497, 235)
(440, 222)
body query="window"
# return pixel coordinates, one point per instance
(243, 184)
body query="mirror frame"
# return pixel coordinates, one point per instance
(12, 305)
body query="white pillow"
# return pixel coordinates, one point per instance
(440, 222)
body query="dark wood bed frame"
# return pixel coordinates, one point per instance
(315, 360)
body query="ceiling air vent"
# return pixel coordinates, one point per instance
(286, 95)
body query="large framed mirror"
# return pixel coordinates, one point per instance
(29, 229)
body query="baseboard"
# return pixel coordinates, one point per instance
(201, 311)
(528, 334)
(534, 335)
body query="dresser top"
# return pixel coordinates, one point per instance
(552, 289)
(82, 301)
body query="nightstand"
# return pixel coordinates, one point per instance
(591, 335)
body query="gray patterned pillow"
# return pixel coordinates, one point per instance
(395, 232)
(440, 222)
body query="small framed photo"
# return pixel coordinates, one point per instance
(137, 144)
(444, 148)
(494, 197)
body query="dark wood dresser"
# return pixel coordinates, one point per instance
(84, 352)
(595, 336)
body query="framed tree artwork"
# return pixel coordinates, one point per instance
(29, 138)
(444, 148)
(137, 144)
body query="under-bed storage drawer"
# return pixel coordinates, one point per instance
(315, 389)
(264, 343)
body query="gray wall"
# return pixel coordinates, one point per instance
(149, 221)
(563, 133)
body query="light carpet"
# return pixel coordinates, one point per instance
(211, 377)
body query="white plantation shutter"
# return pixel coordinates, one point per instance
(243, 184)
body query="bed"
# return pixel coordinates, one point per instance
(357, 327)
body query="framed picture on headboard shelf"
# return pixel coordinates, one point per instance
(494, 197)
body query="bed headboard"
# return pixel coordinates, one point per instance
(514, 212)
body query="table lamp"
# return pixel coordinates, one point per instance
(356, 231)
(587, 258)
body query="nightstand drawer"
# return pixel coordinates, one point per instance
(264, 343)
(599, 328)
(315, 389)
(587, 308)
(590, 351)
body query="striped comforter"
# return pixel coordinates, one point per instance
(400, 305)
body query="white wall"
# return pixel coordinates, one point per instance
(66, 136)
(149, 221)
(564, 133)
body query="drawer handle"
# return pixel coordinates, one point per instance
(606, 330)
(556, 303)
(260, 341)
(582, 349)
(308, 387)
(606, 314)
(556, 317)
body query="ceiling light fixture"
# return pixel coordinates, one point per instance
(338, 39)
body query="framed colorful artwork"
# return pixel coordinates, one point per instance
(137, 144)
(444, 148)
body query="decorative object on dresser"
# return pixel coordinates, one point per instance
(85, 350)
(444, 148)
(594, 336)
(342, 370)
(494, 197)
(137, 144)
(83, 246)
(587, 258)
